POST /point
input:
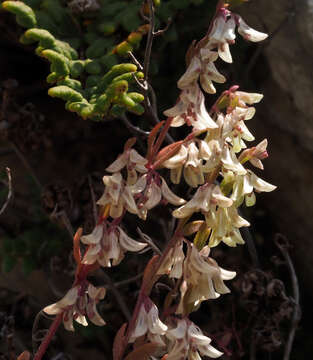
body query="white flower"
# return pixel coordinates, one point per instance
(108, 246)
(189, 160)
(244, 185)
(203, 278)
(133, 161)
(221, 35)
(225, 227)
(79, 302)
(148, 321)
(191, 75)
(187, 341)
(248, 33)
(230, 161)
(190, 109)
(255, 154)
(152, 188)
(202, 65)
(173, 263)
(206, 199)
(118, 195)
(245, 98)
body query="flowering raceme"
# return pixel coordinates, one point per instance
(212, 161)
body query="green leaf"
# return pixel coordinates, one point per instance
(25, 16)
(65, 93)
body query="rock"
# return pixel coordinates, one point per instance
(286, 118)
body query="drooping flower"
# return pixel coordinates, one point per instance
(133, 161)
(206, 199)
(151, 188)
(79, 302)
(230, 161)
(108, 245)
(248, 33)
(255, 154)
(245, 184)
(222, 35)
(225, 227)
(190, 109)
(173, 263)
(202, 67)
(118, 195)
(188, 342)
(203, 279)
(148, 323)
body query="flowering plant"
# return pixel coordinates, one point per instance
(210, 159)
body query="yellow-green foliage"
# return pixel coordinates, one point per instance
(94, 86)
(87, 50)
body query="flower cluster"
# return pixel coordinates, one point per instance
(79, 302)
(213, 165)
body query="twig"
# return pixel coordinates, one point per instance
(162, 31)
(282, 244)
(149, 241)
(133, 128)
(35, 327)
(135, 131)
(146, 64)
(93, 198)
(117, 295)
(66, 222)
(27, 165)
(128, 281)
(246, 233)
(10, 192)
(135, 60)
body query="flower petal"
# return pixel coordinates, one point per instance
(129, 244)
(118, 164)
(169, 195)
(248, 33)
(95, 237)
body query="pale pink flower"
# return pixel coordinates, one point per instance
(79, 302)
(107, 246)
(187, 342)
(148, 323)
(229, 122)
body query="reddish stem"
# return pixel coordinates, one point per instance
(47, 339)
(162, 135)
